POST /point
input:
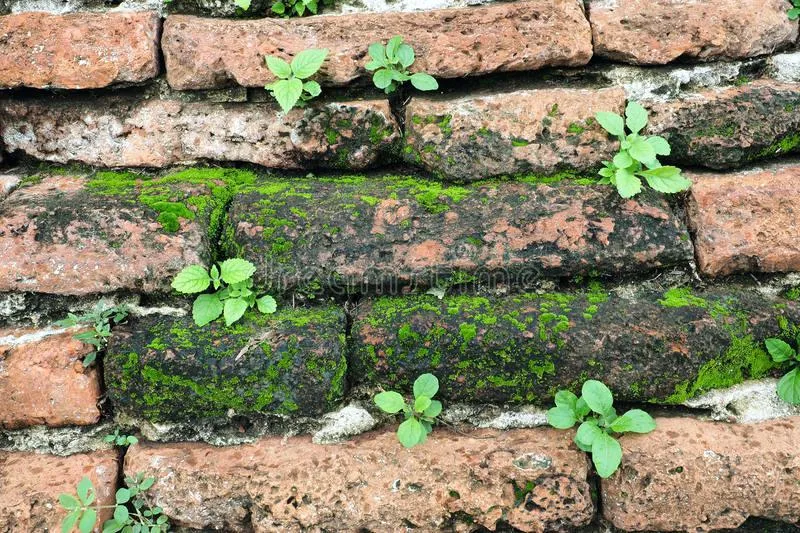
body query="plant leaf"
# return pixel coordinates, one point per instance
(123, 495)
(244, 4)
(597, 396)
(789, 387)
(312, 88)
(68, 502)
(236, 270)
(666, 179)
(587, 433)
(628, 185)
(206, 309)
(392, 46)
(635, 421)
(287, 93)
(611, 122)
(405, 55)
(267, 304)
(279, 67)
(779, 350)
(235, 309)
(390, 402)
(69, 521)
(377, 53)
(410, 433)
(192, 280)
(84, 487)
(641, 150)
(121, 514)
(433, 410)
(635, 117)
(382, 78)
(421, 403)
(426, 385)
(424, 82)
(606, 455)
(565, 398)
(561, 417)
(623, 160)
(308, 62)
(659, 144)
(87, 521)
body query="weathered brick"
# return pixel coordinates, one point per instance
(8, 180)
(43, 381)
(70, 235)
(30, 484)
(647, 346)
(692, 475)
(724, 128)
(747, 221)
(78, 50)
(534, 480)
(391, 234)
(112, 131)
(167, 369)
(523, 132)
(660, 31)
(202, 53)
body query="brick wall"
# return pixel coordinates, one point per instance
(137, 140)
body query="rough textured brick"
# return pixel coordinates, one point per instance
(114, 131)
(647, 346)
(78, 50)
(724, 128)
(393, 233)
(535, 480)
(8, 181)
(660, 31)
(30, 484)
(43, 381)
(747, 221)
(692, 475)
(523, 132)
(202, 53)
(167, 369)
(76, 236)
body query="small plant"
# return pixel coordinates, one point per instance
(599, 423)
(420, 415)
(120, 440)
(233, 296)
(638, 156)
(794, 13)
(101, 317)
(391, 63)
(291, 90)
(789, 385)
(132, 511)
(298, 8)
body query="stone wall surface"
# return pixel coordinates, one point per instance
(462, 232)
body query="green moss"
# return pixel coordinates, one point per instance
(682, 297)
(575, 129)
(517, 141)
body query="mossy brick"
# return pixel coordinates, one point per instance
(649, 346)
(728, 128)
(167, 369)
(71, 233)
(367, 234)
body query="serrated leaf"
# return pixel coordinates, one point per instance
(611, 122)
(606, 455)
(586, 434)
(390, 402)
(597, 396)
(308, 62)
(426, 385)
(206, 309)
(312, 88)
(434, 409)
(779, 350)
(666, 179)
(623, 160)
(410, 433)
(192, 280)
(561, 417)
(660, 145)
(236, 270)
(627, 184)
(267, 304)
(87, 521)
(279, 67)
(641, 150)
(244, 4)
(789, 387)
(635, 117)
(421, 403)
(287, 93)
(634, 421)
(235, 308)
(382, 78)
(424, 82)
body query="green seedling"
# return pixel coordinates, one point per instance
(420, 415)
(101, 319)
(293, 88)
(390, 64)
(789, 385)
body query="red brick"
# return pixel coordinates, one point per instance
(43, 381)
(30, 484)
(78, 50)
(372, 483)
(746, 221)
(202, 53)
(692, 475)
(655, 32)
